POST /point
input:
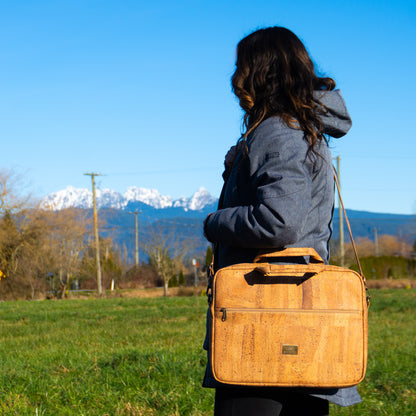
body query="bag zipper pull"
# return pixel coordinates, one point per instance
(224, 314)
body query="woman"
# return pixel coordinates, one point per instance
(279, 189)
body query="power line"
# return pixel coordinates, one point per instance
(381, 157)
(153, 172)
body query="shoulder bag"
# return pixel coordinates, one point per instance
(289, 325)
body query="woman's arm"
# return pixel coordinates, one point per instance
(282, 193)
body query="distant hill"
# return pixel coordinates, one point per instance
(120, 225)
(364, 223)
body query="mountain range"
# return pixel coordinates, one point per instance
(133, 197)
(184, 216)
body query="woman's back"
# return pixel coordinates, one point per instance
(278, 194)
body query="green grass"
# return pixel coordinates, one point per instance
(103, 356)
(390, 384)
(126, 356)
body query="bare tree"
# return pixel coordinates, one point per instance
(11, 188)
(166, 254)
(14, 241)
(66, 240)
(36, 243)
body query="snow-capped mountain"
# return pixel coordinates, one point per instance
(150, 197)
(200, 199)
(107, 198)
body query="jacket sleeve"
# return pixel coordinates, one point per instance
(282, 188)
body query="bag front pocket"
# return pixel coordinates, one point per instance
(288, 347)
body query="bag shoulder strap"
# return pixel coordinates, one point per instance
(350, 233)
(347, 221)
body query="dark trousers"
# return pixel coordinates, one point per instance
(252, 401)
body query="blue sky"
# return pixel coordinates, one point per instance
(140, 91)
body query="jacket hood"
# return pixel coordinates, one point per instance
(336, 120)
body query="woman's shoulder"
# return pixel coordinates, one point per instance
(274, 132)
(273, 123)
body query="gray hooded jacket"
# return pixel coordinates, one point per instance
(276, 196)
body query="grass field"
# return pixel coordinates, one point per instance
(142, 356)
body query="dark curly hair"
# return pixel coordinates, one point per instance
(275, 76)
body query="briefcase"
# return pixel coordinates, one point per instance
(288, 325)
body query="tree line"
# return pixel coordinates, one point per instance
(390, 257)
(46, 253)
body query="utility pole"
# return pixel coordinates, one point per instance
(340, 215)
(195, 264)
(376, 242)
(97, 243)
(136, 233)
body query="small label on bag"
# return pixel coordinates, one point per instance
(289, 349)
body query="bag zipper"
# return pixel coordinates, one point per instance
(224, 311)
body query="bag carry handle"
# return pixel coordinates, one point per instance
(291, 252)
(289, 270)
